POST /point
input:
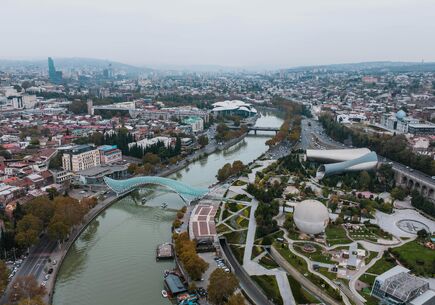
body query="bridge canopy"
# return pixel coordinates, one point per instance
(127, 185)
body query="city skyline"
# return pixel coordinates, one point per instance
(261, 34)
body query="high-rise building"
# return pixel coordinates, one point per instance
(55, 76)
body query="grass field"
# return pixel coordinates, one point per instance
(317, 256)
(416, 257)
(238, 237)
(367, 278)
(382, 265)
(301, 295)
(336, 235)
(268, 262)
(270, 287)
(238, 253)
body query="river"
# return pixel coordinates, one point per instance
(113, 261)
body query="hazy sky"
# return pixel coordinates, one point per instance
(266, 33)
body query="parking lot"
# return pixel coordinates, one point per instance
(213, 264)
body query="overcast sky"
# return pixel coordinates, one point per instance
(255, 33)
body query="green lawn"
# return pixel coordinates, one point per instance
(238, 253)
(268, 262)
(256, 251)
(238, 237)
(239, 183)
(416, 257)
(371, 256)
(317, 256)
(246, 212)
(336, 235)
(330, 275)
(222, 228)
(382, 265)
(269, 286)
(367, 278)
(301, 295)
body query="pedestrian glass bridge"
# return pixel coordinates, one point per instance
(121, 187)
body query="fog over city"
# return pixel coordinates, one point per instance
(254, 33)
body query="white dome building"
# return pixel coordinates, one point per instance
(311, 216)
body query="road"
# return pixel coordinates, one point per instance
(254, 293)
(34, 264)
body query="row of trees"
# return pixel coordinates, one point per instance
(224, 133)
(122, 138)
(394, 147)
(290, 129)
(185, 248)
(418, 201)
(229, 170)
(56, 217)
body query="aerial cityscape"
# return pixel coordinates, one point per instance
(278, 175)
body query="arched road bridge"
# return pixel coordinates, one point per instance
(186, 192)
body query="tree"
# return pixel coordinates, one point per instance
(422, 233)
(151, 158)
(28, 230)
(27, 287)
(78, 107)
(4, 274)
(52, 192)
(68, 209)
(18, 212)
(224, 172)
(221, 286)
(33, 301)
(364, 180)
(42, 208)
(203, 140)
(398, 193)
(237, 167)
(236, 299)
(57, 229)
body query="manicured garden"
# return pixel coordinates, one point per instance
(336, 235)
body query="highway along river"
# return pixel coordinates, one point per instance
(113, 261)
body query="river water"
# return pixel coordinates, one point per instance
(113, 261)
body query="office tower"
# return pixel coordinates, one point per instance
(54, 76)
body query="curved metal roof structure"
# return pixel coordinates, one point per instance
(366, 162)
(124, 186)
(336, 155)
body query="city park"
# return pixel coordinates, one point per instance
(338, 232)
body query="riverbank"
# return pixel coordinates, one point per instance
(122, 242)
(60, 255)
